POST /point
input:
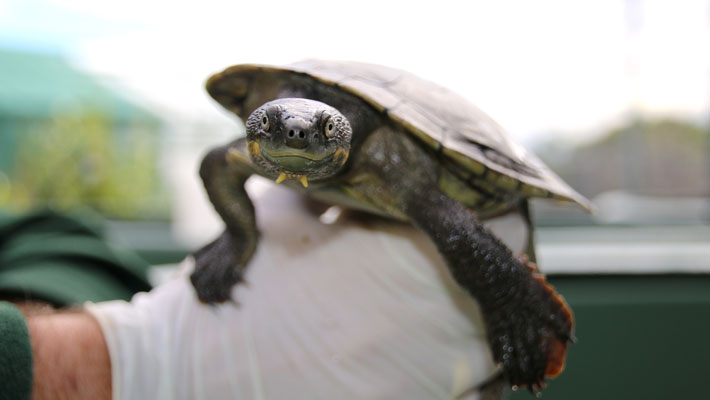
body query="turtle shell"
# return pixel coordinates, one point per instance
(476, 151)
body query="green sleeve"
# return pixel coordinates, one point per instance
(15, 354)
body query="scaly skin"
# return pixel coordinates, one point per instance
(221, 264)
(528, 324)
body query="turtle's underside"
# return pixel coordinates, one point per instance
(384, 141)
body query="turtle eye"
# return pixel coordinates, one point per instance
(329, 128)
(265, 123)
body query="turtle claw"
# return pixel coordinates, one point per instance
(213, 286)
(216, 271)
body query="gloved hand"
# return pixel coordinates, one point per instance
(351, 309)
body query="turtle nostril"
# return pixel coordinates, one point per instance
(295, 136)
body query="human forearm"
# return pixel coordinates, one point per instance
(70, 357)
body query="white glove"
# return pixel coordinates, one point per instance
(330, 311)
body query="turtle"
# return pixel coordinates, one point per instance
(384, 141)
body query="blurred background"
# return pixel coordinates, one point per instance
(103, 112)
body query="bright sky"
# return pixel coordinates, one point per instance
(535, 66)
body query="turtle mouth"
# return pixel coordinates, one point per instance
(296, 161)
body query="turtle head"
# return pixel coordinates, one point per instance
(298, 138)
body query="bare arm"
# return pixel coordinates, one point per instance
(70, 357)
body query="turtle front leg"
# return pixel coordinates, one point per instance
(221, 264)
(528, 324)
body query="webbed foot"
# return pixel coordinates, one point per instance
(529, 337)
(217, 270)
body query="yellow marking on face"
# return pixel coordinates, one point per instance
(304, 180)
(254, 149)
(342, 155)
(282, 177)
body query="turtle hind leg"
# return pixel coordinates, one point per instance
(216, 270)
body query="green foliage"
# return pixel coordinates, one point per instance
(84, 160)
